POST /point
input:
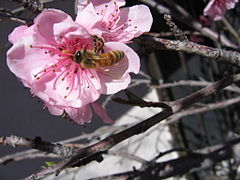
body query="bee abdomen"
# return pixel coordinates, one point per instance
(111, 58)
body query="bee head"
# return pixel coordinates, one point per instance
(78, 56)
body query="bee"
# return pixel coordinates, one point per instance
(92, 59)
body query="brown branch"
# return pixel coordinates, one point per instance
(220, 55)
(37, 143)
(31, 154)
(191, 162)
(187, 19)
(93, 152)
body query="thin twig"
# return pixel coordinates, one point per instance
(4, 16)
(209, 107)
(178, 33)
(230, 29)
(127, 155)
(190, 83)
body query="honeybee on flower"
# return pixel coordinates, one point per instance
(46, 58)
(92, 59)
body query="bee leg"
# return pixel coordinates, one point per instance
(98, 44)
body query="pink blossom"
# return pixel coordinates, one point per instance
(42, 58)
(215, 9)
(105, 19)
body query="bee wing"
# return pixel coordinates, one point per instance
(110, 74)
(99, 58)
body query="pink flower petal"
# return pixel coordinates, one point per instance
(101, 112)
(20, 32)
(22, 59)
(117, 77)
(80, 115)
(139, 20)
(99, 4)
(54, 110)
(52, 89)
(46, 21)
(88, 14)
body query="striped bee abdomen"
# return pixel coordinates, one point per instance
(110, 58)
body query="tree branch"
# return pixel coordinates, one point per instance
(93, 152)
(37, 143)
(220, 55)
(191, 162)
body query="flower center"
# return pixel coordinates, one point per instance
(66, 52)
(65, 68)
